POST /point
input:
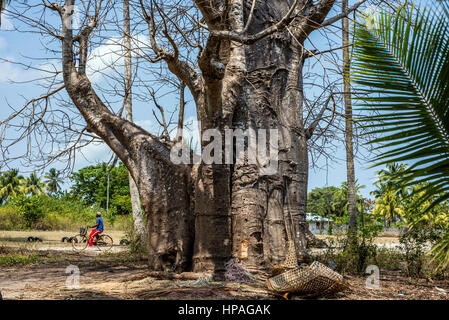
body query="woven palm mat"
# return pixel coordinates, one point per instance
(309, 280)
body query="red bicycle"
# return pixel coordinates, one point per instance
(103, 242)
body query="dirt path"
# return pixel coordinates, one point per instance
(51, 240)
(48, 279)
(110, 277)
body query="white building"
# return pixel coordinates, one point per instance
(317, 224)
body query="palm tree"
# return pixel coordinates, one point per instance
(9, 184)
(392, 178)
(54, 180)
(389, 206)
(350, 173)
(401, 69)
(33, 185)
(391, 192)
(342, 195)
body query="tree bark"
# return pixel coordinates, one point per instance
(352, 208)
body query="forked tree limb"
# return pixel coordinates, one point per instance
(181, 69)
(343, 14)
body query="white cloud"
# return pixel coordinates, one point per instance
(103, 59)
(15, 73)
(47, 72)
(10, 72)
(3, 44)
(6, 23)
(146, 124)
(93, 153)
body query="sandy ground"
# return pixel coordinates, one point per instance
(111, 277)
(64, 274)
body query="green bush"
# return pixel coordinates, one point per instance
(49, 213)
(136, 245)
(414, 243)
(11, 219)
(351, 253)
(412, 259)
(30, 208)
(121, 204)
(389, 259)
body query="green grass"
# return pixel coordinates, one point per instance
(17, 259)
(122, 257)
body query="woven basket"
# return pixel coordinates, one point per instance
(313, 280)
(291, 261)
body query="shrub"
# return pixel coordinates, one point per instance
(11, 219)
(121, 204)
(136, 244)
(415, 243)
(351, 253)
(30, 208)
(389, 259)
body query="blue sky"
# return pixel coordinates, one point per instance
(15, 46)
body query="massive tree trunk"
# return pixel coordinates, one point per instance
(200, 216)
(261, 88)
(265, 208)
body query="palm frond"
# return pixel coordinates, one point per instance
(440, 253)
(401, 67)
(445, 6)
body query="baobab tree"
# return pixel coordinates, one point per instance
(247, 75)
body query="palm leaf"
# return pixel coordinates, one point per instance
(445, 6)
(440, 253)
(401, 67)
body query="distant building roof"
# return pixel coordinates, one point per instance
(312, 217)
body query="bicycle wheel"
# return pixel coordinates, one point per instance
(105, 243)
(79, 242)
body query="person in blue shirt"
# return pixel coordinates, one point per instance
(97, 229)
